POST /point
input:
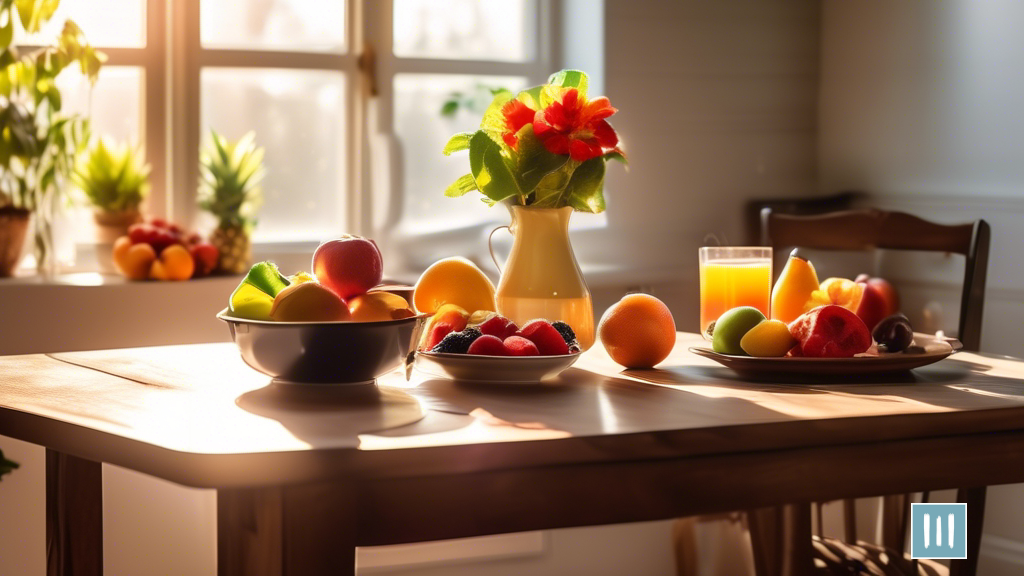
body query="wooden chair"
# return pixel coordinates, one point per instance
(860, 230)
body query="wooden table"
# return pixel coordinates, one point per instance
(298, 489)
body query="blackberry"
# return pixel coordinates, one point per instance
(566, 331)
(457, 342)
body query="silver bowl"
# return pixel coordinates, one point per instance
(325, 352)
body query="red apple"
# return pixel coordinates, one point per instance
(873, 306)
(349, 265)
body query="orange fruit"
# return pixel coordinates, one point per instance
(377, 306)
(308, 302)
(174, 263)
(638, 331)
(134, 260)
(453, 281)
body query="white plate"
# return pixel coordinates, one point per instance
(493, 369)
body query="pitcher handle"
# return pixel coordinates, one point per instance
(490, 246)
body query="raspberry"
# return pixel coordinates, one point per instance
(519, 346)
(548, 340)
(457, 342)
(488, 345)
(499, 326)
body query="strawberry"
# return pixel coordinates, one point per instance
(488, 345)
(548, 340)
(519, 346)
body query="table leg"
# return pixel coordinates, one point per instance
(74, 516)
(289, 531)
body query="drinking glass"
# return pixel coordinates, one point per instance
(732, 276)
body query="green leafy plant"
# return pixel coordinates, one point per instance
(229, 180)
(113, 179)
(38, 142)
(545, 147)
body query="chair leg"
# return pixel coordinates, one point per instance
(975, 500)
(684, 538)
(781, 540)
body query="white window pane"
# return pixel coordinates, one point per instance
(273, 24)
(111, 23)
(114, 106)
(423, 131)
(465, 29)
(299, 117)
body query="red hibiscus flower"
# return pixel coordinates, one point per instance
(516, 115)
(576, 126)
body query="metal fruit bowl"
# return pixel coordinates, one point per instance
(325, 352)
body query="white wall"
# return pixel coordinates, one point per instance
(921, 105)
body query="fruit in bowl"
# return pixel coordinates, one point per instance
(348, 265)
(499, 336)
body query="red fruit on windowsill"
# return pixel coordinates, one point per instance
(205, 256)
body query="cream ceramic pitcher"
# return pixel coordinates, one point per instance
(541, 278)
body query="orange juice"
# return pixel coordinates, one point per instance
(731, 282)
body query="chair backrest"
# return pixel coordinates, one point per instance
(859, 230)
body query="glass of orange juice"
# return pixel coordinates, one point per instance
(732, 276)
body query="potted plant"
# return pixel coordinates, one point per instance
(39, 143)
(542, 152)
(229, 188)
(115, 181)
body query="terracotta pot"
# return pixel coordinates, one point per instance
(109, 227)
(13, 228)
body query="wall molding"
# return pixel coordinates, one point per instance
(1002, 549)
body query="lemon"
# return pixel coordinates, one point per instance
(769, 339)
(453, 281)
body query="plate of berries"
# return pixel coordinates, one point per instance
(827, 341)
(493, 349)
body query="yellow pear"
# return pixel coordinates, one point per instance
(793, 289)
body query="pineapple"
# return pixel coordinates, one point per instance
(229, 188)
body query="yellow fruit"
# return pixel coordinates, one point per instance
(453, 281)
(308, 302)
(838, 291)
(769, 339)
(300, 277)
(250, 302)
(793, 289)
(377, 306)
(638, 331)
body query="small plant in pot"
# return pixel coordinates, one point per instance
(229, 188)
(38, 142)
(115, 181)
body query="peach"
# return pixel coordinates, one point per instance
(133, 260)
(377, 306)
(873, 306)
(308, 302)
(888, 291)
(174, 263)
(349, 265)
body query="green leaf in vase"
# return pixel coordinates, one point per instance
(461, 187)
(457, 142)
(490, 170)
(550, 192)
(531, 97)
(571, 79)
(533, 161)
(585, 191)
(493, 122)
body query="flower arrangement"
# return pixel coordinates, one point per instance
(545, 147)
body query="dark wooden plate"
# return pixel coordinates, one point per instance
(934, 349)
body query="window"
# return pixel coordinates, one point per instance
(346, 97)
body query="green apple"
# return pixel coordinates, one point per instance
(732, 326)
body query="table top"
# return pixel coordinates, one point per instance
(198, 416)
